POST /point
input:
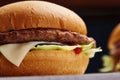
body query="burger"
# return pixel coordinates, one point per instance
(42, 38)
(112, 62)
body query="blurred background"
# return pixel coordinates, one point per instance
(100, 16)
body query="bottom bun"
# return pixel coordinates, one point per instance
(44, 62)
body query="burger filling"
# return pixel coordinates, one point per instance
(16, 44)
(112, 63)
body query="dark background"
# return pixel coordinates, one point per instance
(100, 16)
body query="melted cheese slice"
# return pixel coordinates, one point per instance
(15, 53)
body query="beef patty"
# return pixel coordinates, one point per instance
(50, 35)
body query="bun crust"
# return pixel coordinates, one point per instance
(39, 14)
(44, 62)
(115, 36)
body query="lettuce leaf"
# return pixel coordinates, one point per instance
(108, 63)
(55, 47)
(91, 52)
(87, 49)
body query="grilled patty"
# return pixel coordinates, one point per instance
(50, 35)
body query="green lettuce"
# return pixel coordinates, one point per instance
(87, 49)
(91, 52)
(108, 63)
(55, 47)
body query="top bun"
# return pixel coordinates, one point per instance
(39, 14)
(115, 36)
